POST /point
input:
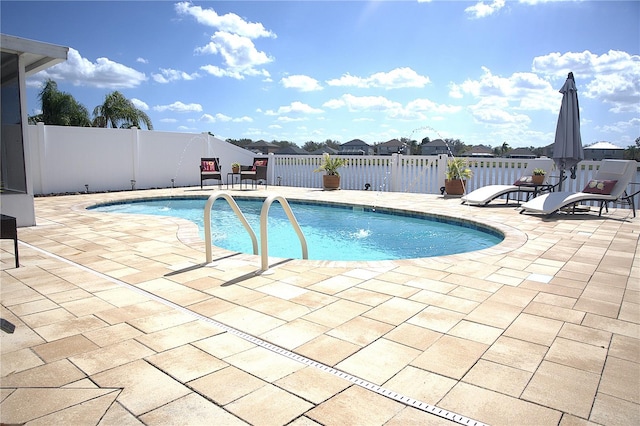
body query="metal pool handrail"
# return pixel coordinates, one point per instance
(264, 214)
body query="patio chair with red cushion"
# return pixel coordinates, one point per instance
(255, 173)
(210, 169)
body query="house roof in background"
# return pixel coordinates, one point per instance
(603, 145)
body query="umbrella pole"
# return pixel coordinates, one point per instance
(561, 179)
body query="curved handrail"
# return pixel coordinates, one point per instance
(264, 213)
(236, 210)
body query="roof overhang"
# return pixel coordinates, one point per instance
(35, 55)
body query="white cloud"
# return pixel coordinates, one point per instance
(394, 79)
(615, 75)
(103, 74)
(179, 107)
(482, 9)
(295, 108)
(238, 53)
(140, 104)
(363, 103)
(142, 60)
(301, 82)
(230, 22)
(167, 75)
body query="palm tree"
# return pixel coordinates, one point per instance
(59, 108)
(119, 112)
(505, 148)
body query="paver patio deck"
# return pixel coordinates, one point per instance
(118, 321)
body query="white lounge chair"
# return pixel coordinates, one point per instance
(484, 195)
(608, 185)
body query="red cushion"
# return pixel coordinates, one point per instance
(209, 166)
(524, 180)
(600, 186)
(259, 163)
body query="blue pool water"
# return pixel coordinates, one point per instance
(332, 232)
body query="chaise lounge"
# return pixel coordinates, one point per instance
(609, 185)
(484, 195)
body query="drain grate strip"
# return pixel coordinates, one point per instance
(420, 405)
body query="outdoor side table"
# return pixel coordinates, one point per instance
(233, 177)
(537, 189)
(9, 230)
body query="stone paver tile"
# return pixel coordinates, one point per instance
(223, 345)
(608, 410)
(621, 379)
(445, 301)
(20, 360)
(118, 415)
(122, 296)
(144, 386)
(495, 314)
(314, 300)
(355, 406)
(379, 361)
(28, 404)
(127, 313)
(599, 307)
(294, 333)
(235, 293)
(413, 416)
(190, 410)
(87, 412)
(476, 332)
(335, 284)
(279, 308)
(437, 319)
(555, 312)
(578, 355)
(585, 335)
(55, 374)
(211, 307)
(227, 385)
(420, 384)
(112, 334)
(390, 288)
(413, 336)
(265, 364)
(531, 328)
(327, 349)
(450, 356)
(554, 300)
(47, 317)
(248, 320)
(282, 290)
(515, 296)
(361, 295)
(161, 321)
(313, 384)
(258, 407)
(110, 356)
(178, 335)
(624, 347)
(470, 294)
(612, 325)
(63, 348)
(86, 306)
(395, 311)
(360, 330)
(516, 353)
(498, 377)
(630, 312)
(32, 307)
(495, 408)
(562, 388)
(71, 292)
(70, 327)
(337, 313)
(186, 363)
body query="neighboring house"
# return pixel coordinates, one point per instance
(434, 147)
(601, 150)
(291, 150)
(326, 149)
(356, 147)
(480, 151)
(262, 147)
(20, 59)
(520, 153)
(394, 146)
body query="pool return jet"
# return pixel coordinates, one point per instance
(264, 215)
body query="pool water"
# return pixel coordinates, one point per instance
(332, 232)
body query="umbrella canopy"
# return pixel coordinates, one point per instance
(567, 148)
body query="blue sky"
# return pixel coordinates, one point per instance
(485, 72)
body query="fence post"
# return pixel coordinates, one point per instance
(442, 169)
(395, 172)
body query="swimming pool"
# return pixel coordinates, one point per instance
(333, 232)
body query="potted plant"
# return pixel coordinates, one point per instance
(538, 176)
(456, 176)
(235, 167)
(330, 165)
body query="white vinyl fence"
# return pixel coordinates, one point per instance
(81, 159)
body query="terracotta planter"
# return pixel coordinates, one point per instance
(331, 182)
(455, 186)
(537, 179)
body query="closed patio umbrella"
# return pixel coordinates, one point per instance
(567, 148)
